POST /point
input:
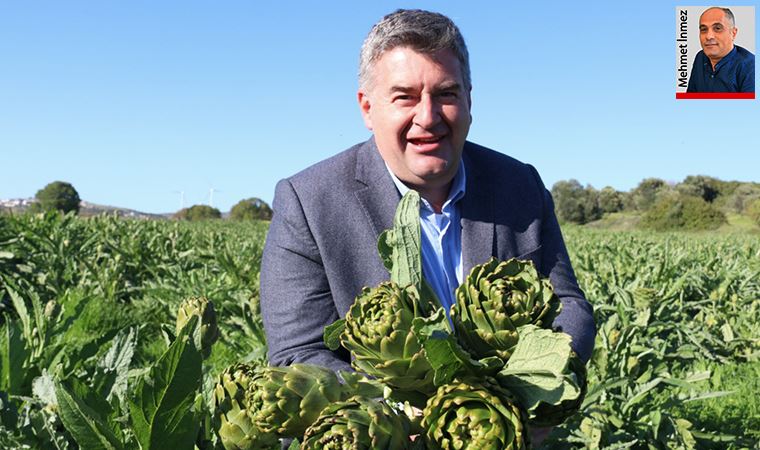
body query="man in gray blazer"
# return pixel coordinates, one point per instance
(321, 249)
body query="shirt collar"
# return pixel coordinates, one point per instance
(456, 192)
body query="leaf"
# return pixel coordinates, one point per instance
(161, 409)
(444, 353)
(295, 445)
(110, 378)
(400, 246)
(355, 383)
(84, 424)
(538, 370)
(23, 313)
(92, 398)
(43, 387)
(13, 354)
(332, 334)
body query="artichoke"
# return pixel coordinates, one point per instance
(378, 333)
(286, 400)
(356, 424)
(474, 416)
(209, 331)
(496, 299)
(52, 310)
(232, 423)
(546, 415)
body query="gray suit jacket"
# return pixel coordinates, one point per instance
(321, 249)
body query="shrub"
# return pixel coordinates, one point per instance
(251, 209)
(676, 211)
(753, 211)
(198, 212)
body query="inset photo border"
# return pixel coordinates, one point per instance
(716, 62)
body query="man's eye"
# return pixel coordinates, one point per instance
(403, 98)
(448, 96)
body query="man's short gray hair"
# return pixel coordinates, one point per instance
(423, 31)
(727, 12)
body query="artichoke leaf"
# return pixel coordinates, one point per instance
(539, 369)
(400, 246)
(332, 334)
(444, 353)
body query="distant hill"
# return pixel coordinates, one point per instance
(20, 205)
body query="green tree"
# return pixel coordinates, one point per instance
(676, 211)
(645, 194)
(251, 209)
(743, 196)
(707, 188)
(610, 200)
(58, 196)
(198, 212)
(575, 204)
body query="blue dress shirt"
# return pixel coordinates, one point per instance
(734, 73)
(441, 240)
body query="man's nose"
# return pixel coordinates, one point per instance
(428, 112)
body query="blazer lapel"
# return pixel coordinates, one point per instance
(478, 217)
(377, 194)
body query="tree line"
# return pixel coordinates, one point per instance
(698, 202)
(62, 196)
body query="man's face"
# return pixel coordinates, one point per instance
(419, 111)
(716, 34)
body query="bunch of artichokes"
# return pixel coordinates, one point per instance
(399, 335)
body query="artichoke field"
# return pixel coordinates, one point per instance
(88, 322)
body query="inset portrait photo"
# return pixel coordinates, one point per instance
(715, 52)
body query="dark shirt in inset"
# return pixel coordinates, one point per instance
(734, 73)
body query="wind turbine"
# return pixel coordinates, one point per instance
(181, 198)
(211, 196)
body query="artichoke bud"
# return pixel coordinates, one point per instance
(286, 400)
(495, 300)
(52, 309)
(232, 422)
(379, 335)
(358, 423)
(474, 415)
(208, 332)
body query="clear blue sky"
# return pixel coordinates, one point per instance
(134, 101)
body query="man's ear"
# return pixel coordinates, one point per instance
(733, 33)
(469, 103)
(364, 105)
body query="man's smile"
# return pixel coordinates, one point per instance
(424, 143)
